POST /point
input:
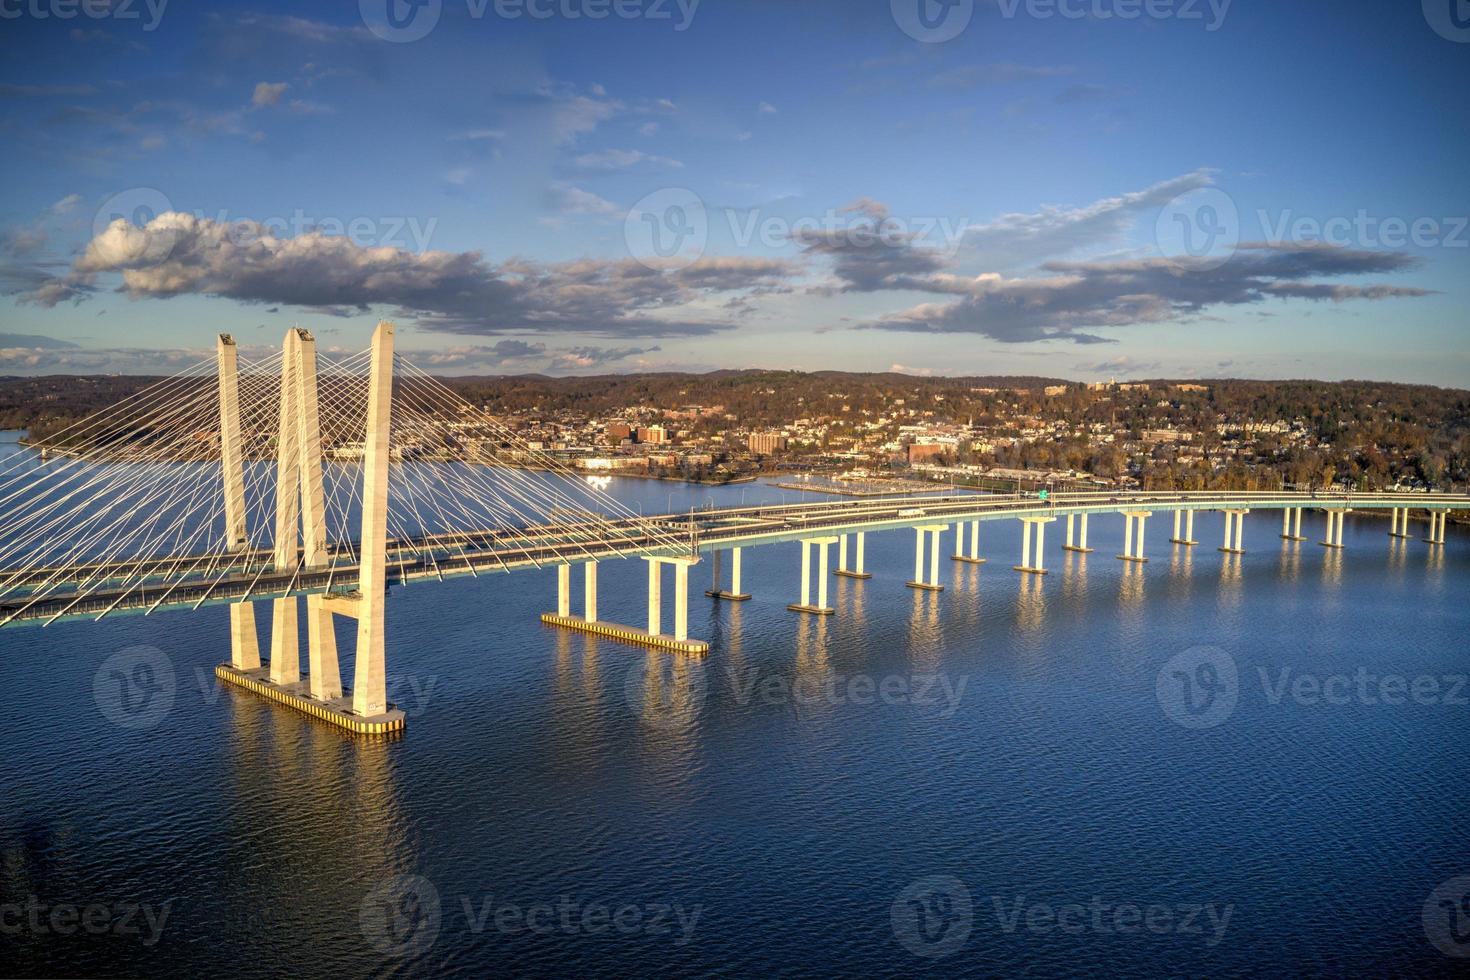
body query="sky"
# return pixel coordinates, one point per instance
(1079, 189)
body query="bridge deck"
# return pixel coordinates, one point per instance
(179, 582)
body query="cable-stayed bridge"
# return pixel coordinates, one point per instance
(330, 479)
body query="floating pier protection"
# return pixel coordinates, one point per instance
(1040, 524)
(973, 557)
(1187, 538)
(1134, 551)
(842, 568)
(1334, 528)
(805, 605)
(1081, 545)
(733, 594)
(1291, 524)
(1235, 518)
(654, 637)
(918, 582)
(337, 712)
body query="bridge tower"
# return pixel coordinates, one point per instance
(301, 545)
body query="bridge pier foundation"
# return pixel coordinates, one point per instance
(1291, 524)
(1235, 518)
(918, 581)
(808, 545)
(1080, 545)
(1437, 520)
(654, 636)
(1334, 529)
(1134, 551)
(1187, 537)
(1027, 523)
(842, 569)
(973, 557)
(733, 594)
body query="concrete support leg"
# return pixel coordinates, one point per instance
(1239, 531)
(1071, 538)
(285, 647)
(1127, 535)
(1178, 519)
(1025, 544)
(681, 601)
(918, 554)
(589, 592)
(861, 539)
(806, 573)
(1041, 546)
(1229, 519)
(1296, 523)
(974, 540)
(321, 646)
(822, 575)
(1083, 544)
(564, 590)
(655, 597)
(1189, 527)
(735, 571)
(244, 641)
(841, 552)
(1138, 542)
(934, 558)
(370, 681)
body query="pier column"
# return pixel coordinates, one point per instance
(805, 605)
(1291, 524)
(1082, 546)
(1235, 519)
(919, 553)
(321, 639)
(1334, 529)
(861, 540)
(285, 648)
(841, 551)
(589, 591)
(1133, 547)
(1437, 521)
(1296, 524)
(934, 557)
(1071, 521)
(1038, 567)
(681, 601)
(733, 594)
(973, 557)
(1286, 521)
(1187, 534)
(564, 590)
(933, 532)
(655, 596)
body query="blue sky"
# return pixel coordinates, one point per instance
(1081, 189)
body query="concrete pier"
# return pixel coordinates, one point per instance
(1080, 544)
(820, 608)
(1040, 523)
(1235, 519)
(973, 557)
(1134, 551)
(337, 711)
(1334, 528)
(1186, 537)
(1291, 524)
(733, 593)
(842, 569)
(1437, 521)
(918, 581)
(653, 636)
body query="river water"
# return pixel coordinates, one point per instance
(1210, 764)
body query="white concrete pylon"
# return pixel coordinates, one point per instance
(1038, 567)
(1133, 539)
(370, 682)
(589, 591)
(564, 590)
(932, 534)
(1234, 529)
(805, 605)
(244, 640)
(285, 646)
(655, 596)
